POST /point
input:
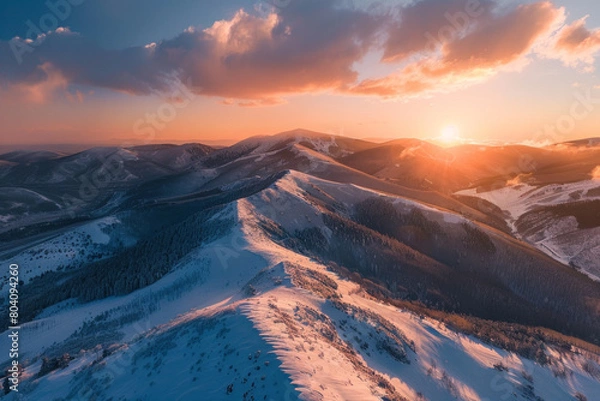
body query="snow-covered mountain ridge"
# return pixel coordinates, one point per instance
(281, 273)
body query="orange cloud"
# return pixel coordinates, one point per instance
(265, 102)
(576, 45)
(262, 102)
(43, 90)
(486, 46)
(310, 45)
(423, 25)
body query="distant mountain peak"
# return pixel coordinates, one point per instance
(582, 143)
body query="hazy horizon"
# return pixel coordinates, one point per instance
(74, 147)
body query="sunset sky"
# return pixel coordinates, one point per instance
(138, 71)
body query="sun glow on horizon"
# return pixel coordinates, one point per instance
(450, 135)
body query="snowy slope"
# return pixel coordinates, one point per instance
(518, 199)
(264, 146)
(245, 317)
(18, 203)
(69, 250)
(561, 237)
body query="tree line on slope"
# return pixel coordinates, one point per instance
(137, 267)
(465, 270)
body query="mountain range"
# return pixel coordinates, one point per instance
(305, 266)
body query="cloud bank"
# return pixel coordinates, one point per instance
(308, 46)
(577, 45)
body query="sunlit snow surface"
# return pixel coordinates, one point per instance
(559, 237)
(232, 322)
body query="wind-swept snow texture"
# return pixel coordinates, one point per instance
(245, 317)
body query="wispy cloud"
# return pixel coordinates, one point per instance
(576, 45)
(462, 49)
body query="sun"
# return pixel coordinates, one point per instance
(450, 135)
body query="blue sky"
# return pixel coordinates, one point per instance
(122, 23)
(118, 23)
